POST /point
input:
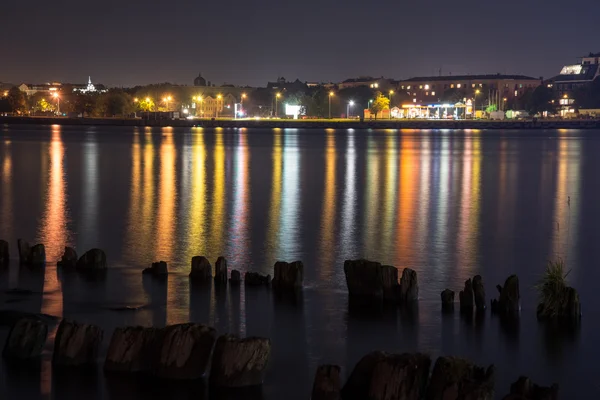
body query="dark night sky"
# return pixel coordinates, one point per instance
(128, 42)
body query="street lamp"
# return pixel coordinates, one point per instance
(504, 103)
(474, 100)
(57, 97)
(330, 96)
(277, 95)
(350, 104)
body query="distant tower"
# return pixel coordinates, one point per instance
(199, 81)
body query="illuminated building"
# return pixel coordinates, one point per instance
(432, 88)
(89, 87)
(573, 77)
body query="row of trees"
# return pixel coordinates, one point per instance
(114, 103)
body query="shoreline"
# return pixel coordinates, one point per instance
(309, 124)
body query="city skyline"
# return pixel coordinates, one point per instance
(244, 44)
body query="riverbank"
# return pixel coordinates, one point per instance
(312, 124)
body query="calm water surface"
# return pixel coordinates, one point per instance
(449, 204)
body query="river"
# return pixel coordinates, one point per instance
(448, 203)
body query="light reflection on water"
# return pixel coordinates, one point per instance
(447, 204)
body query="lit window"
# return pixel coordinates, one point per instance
(472, 85)
(549, 85)
(420, 86)
(480, 85)
(433, 93)
(414, 100)
(402, 86)
(452, 86)
(408, 87)
(414, 94)
(516, 93)
(458, 86)
(426, 93)
(426, 87)
(521, 85)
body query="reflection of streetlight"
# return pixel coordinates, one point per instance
(277, 95)
(57, 97)
(330, 96)
(350, 104)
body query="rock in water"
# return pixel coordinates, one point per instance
(24, 249)
(402, 376)
(455, 378)
(466, 297)
(69, 258)
(4, 254)
(201, 269)
(240, 362)
(186, 352)
(359, 382)
(134, 349)
(479, 292)
(37, 255)
(256, 279)
(158, 269)
(509, 301)
(76, 345)
(391, 286)
(327, 383)
(447, 300)
(364, 279)
(525, 389)
(92, 260)
(236, 277)
(221, 271)
(382, 376)
(26, 339)
(409, 286)
(288, 275)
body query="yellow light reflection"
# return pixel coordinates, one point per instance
(566, 202)
(329, 207)
(197, 219)
(217, 225)
(53, 227)
(391, 191)
(469, 206)
(7, 211)
(275, 204)
(407, 200)
(166, 221)
(372, 214)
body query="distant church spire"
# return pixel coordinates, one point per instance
(89, 80)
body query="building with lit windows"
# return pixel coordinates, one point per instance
(46, 88)
(573, 77)
(433, 88)
(216, 106)
(366, 81)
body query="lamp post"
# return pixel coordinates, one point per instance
(330, 96)
(277, 95)
(350, 104)
(504, 103)
(57, 97)
(474, 100)
(166, 100)
(391, 95)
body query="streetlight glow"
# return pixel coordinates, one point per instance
(243, 95)
(278, 95)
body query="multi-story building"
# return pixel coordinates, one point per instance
(573, 77)
(432, 88)
(366, 81)
(46, 88)
(217, 106)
